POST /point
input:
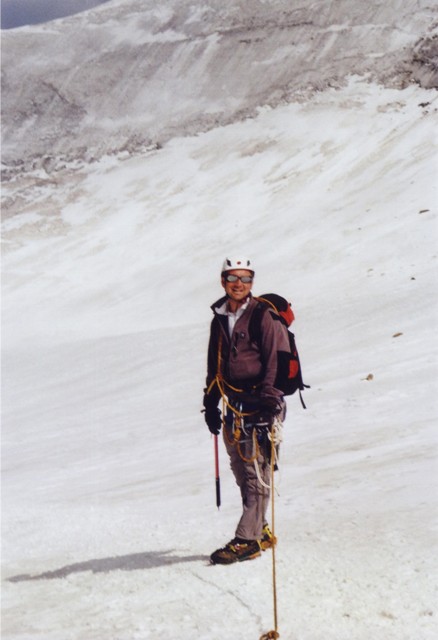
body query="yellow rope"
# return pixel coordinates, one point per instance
(272, 635)
(220, 383)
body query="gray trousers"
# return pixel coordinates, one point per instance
(255, 497)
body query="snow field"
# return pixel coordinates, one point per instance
(108, 476)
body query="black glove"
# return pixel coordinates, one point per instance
(213, 420)
(212, 415)
(269, 408)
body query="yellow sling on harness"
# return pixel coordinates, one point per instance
(221, 383)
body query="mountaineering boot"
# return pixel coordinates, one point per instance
(267, 541)
(237, 550)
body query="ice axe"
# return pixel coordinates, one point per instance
(216, 472)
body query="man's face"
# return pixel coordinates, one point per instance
(238, 291)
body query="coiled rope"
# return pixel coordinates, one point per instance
(276, 437)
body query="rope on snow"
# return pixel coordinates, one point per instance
(273, 635)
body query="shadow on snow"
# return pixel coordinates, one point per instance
(133, 562)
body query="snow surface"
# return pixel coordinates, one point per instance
(108, 487)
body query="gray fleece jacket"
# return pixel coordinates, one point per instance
(240, 361)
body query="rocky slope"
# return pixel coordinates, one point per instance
(128, 75)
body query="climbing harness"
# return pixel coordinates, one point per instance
(239, 428)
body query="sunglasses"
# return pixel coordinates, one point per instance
(243, 279)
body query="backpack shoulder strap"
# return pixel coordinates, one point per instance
(266, 302)
(255, 322)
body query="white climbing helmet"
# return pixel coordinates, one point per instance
(237, 263)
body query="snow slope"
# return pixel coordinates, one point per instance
(109, 269)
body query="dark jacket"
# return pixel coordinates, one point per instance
(242, 363)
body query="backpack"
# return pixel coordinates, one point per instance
(289, 375)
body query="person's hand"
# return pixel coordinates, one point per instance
(212, 415)
(213, 420)
(270, 406)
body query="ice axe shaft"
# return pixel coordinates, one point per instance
(216, 472)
